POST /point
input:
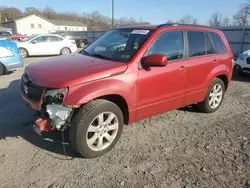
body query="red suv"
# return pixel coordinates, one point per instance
(128, 74)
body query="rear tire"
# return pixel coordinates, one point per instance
(96, 128)
(65, 51)
(82, 44)
(23, 53)
(1, 69)
(214, 97)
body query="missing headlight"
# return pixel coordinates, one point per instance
(55, 95)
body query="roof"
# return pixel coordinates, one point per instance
(66, 23)
(153, 27)
(55, 22)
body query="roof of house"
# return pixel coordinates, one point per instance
(55, 22)
(66, 23)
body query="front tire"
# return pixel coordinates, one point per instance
(96, 128)
(214, 97)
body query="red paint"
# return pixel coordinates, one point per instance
(147, 91)
(155, 60)
(44, 125)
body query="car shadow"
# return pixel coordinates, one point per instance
(16, 120)
(243, 77)
(191, 108)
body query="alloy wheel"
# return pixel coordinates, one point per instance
(102, 131)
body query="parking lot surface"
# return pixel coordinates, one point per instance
(181, 148)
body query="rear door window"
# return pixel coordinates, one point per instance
(54, 39)
(209, 45)
(196, 43)
(218, 44)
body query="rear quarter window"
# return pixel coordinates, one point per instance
(218, 44)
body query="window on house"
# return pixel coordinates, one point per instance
(32, 25)
(40, 26)
(196, 43)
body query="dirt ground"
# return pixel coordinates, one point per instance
(181, 148)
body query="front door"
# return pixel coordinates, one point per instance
(163, 88)
(39, 46)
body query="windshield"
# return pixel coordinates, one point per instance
(117, 45)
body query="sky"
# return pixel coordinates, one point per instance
(153, 11)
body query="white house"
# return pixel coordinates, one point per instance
(34, 24)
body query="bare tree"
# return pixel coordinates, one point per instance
(216, 20)
(10, 13)
(226, 22)
(49, 13)
(241, 18)
(31, 10)
(169, 21)
(188, 19)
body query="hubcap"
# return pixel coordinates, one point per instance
(215, 96)
(102, 131)
(22, 53)
(65, 51)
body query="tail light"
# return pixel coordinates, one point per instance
(73, 41)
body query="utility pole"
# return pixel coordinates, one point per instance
(113, 16)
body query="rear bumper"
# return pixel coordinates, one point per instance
(73, 48)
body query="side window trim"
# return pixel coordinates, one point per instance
(211, 41)
(183, 41)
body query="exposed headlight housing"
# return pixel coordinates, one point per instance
(58, 95)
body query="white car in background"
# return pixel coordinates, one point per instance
(242, 65)
(47, 44)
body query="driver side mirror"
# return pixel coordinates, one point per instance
(155, 60)
(34, 41)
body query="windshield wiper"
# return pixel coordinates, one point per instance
(100, 56)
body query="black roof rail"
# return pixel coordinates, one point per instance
(130, 25)
(179, 24)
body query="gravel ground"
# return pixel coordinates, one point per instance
(181, 148)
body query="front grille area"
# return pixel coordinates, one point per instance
(30, 90)
(248, 60)
(246, 69)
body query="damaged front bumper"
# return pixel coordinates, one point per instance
(49, 102)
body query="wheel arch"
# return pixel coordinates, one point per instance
(120, 102)
(224, 78)
(5, 70)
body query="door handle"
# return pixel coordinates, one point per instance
(182, 68)
(215, 61)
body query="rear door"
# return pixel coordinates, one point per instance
(201, 61)
(55, 44)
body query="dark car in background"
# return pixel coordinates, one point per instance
(79, 37)
(5, 35)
